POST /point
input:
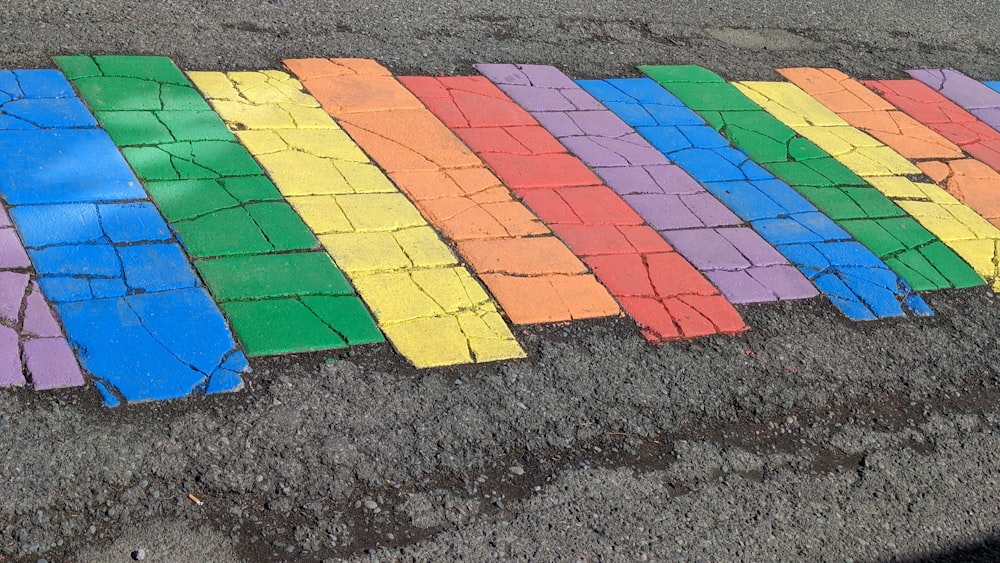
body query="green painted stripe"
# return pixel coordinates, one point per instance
(261, 262)
(878, 223)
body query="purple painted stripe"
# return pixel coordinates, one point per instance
(32, 345)
(744, 267)
(979, 99)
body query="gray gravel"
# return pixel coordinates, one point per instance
(740, 38)
(808, 438)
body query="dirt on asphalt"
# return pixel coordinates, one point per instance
(809, 437)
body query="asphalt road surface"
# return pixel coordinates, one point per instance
(808, 438)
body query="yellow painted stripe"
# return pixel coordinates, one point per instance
(971, 236)
(429, 305)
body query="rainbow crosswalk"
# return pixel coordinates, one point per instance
(159, 226)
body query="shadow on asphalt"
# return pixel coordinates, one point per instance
(985, 551)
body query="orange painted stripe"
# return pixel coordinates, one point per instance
(976, 182)
(654, 284)
(532, 274)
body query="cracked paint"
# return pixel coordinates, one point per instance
(975, 182)
(951, 222)
(944, 210)
(230, 218)
(975, 97)
(132, 307)
(428, 305)
(653, 283)
(33, 346)
(731, 255)
(875, 221)
(532, 274)
(820, 249)
(933, 109)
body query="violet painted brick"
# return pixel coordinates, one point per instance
(51, 363)
(545, 76)
(753, 247)
(12, 254)
(674, 180)
(506, 73)
(961, 89)
(709, 249)
(593, 154)
(638, 179)
(633, 151)
(540, 100)
(664, 212)
(30, 330)
(651, 179)
(559, 124)
(979, 99)
(787, 279)
(741, 283)
(989, 115)
(11, 372)
(13, 286)
(38, 317)
(600, 123)
(582, 100)
(710, 211)
(715, 252)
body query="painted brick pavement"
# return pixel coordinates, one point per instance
(256, 255)
(133, 308)
(624, 169)
(426, 304)
(971, 180)
(875, 221)
(514, 253)
(367, 100)
(975, 97)
(955, 225)
(654, 284)
(744, 267)
(854, 280)
(32, 344)
(935, 110)
(33, 347)
(975, 238)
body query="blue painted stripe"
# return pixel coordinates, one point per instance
(855, 280)
(134, 310)
(994, 84)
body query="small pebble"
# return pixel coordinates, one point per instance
(139, 554)
(371, 505)
(516, 470)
